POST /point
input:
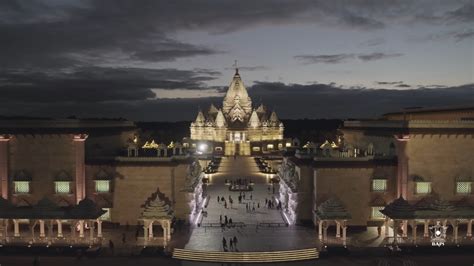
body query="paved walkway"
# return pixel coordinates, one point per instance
(255, 236)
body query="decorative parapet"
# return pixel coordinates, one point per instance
(288, 174)
(194, 176)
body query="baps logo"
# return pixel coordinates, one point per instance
(438, 234)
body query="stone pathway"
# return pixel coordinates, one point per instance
(255, 236)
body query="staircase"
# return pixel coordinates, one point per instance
(243, 166)
(252, 257)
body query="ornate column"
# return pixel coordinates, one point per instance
(325, 231)
(386, 224)
(344, 233)
(60, 228)
(405, 228)
(6, 228)
(91, 229)
(469, 228)
(150, 230)
(402, 170)
(99, 228)
(413, 229)
(425, 231)
(338, 229)
(455, 224)
(16, 228)
(4, 164)
(320, 230)
(41, 222)
(395, 231)
(145, 230)
(81, 228)
(79, 143)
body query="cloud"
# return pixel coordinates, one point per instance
(465, 13)
(342, 58)
(403, 86)
(388, 82)
(289, 100)
(377, 56)
(98, 84)
(326, 59)
(250, 68)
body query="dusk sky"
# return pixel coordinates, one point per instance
(161, 60)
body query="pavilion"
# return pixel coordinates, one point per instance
(403, 214)
(329, 211)
(157, 211)
(48, 215)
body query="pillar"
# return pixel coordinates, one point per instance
(79, 142)
(91, 229)
(469, 229)
(413, 229)
(99, 228)
(60, 228)
(405, 228)
(145, 231)
(4, 164)
(16, 228)
(344, 233)
(402, 167)
(320, 230)
(338, 229)
(50, 228)
(6, 228)
(150, 230)
(386, 225)
(81, 228)
(395, 231)
(169, 230)
(455, 224)
(41, 228)
(425, 231)
(325, 231)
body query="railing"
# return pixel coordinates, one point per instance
(248, 257)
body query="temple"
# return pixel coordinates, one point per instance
(238, 128)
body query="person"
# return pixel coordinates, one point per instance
(218, 198)
(224, 243)
(251, 196)
(225, 204)
(123, 238)
(136, 233)
(266, 201)
(225, 219)
(230, 221)
(231, 243)
(235, 241)
(111, 246)
(379, 230)
(258, 205)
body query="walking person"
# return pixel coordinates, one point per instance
(235, 241)
(218, 198)
(226, 220)
(224, 244)
(231, 245)
(111, 246)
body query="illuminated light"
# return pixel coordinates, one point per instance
(171, 145)
(288, 144)
(202, 147)
(286, 218)
(135, 139)
(150, 145)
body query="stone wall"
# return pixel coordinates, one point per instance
(354, 188)
(42, 157)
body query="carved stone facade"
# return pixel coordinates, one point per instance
(237, 127)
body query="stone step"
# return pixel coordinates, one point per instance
(255, 257)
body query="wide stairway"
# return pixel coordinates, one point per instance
(249, 257)
(240, 166)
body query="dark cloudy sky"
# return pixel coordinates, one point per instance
(160, 60)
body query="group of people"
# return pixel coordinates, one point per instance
(225, 222)
(232, 243)
(270, 204)
(224, 201)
